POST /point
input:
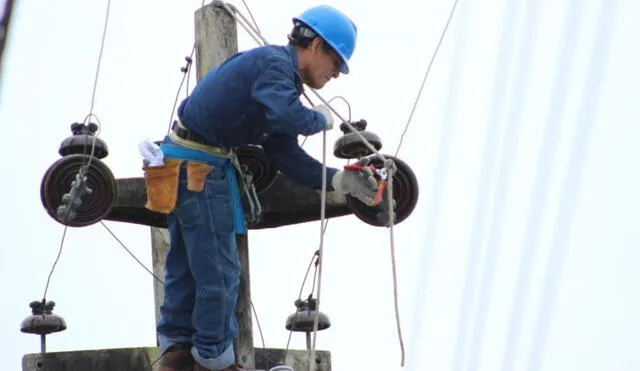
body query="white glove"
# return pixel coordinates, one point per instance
(358, 183)
(326, 112)
(151, 153)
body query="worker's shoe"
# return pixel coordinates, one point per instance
(177, 358)
(235, 367)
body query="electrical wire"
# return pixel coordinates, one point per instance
(349, 113)
(437, 186)
(306, 275)
(131, 253)
(345, 101)
(255, 314)
(87, 165)
(314, 257)
(104, 36)
(186, 74)
(81, 174)
(426, 75)
(122, 244)
(55, 262)
(95, 87)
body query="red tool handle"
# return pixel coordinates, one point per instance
(381, 186)
(357, 167)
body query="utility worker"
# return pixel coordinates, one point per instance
(251, 98)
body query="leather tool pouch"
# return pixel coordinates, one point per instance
(197, 175)
(162, 186)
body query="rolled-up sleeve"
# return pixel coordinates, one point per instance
(274, 88)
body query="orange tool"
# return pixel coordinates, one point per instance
(382, 182)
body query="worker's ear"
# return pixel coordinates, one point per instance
(316, 46)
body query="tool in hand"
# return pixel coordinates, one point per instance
(382, 178)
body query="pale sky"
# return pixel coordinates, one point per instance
(524, 143)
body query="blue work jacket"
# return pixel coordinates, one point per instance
(254, 98)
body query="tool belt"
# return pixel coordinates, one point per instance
(201, 157)
(183, 136)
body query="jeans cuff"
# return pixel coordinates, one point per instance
(164, 342)
(225, 359)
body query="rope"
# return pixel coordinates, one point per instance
(388, 164)
(323, 200)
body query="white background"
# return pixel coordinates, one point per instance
(504, 65)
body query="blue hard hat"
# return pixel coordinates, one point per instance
(335, 28)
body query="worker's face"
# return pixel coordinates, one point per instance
(324, 65)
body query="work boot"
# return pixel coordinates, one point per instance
(234, 367)
(177, 358)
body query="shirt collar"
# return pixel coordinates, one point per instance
(291, 52)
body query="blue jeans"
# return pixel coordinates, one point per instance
(202, 273)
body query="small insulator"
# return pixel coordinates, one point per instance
(303, 319)
(42, 321)
(360, 125)
(350, 145)
(81, 141)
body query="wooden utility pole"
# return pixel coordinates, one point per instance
(216, 40)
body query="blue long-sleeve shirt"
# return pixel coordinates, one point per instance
(254, 98)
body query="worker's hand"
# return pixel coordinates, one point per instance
(358, 183)
(326, 112)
